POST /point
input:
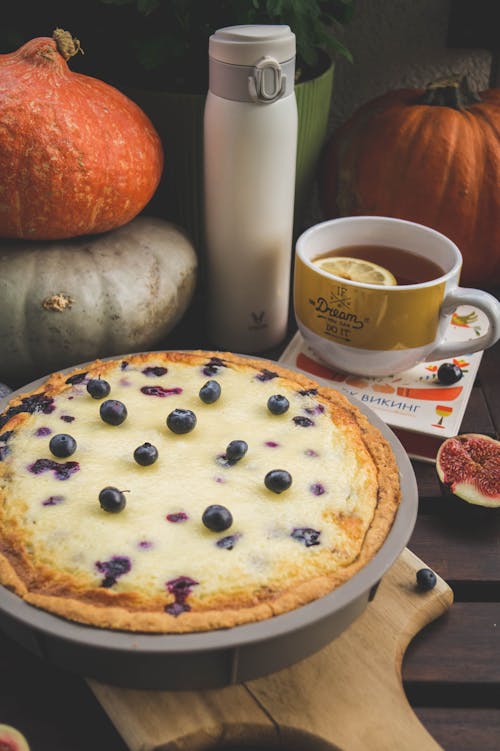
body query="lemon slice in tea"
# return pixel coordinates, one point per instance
(356, 270)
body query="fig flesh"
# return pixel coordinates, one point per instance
(468, 466)
(12, 740)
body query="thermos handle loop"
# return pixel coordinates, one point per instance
(259, 81)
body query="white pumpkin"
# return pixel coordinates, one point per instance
(70, 301)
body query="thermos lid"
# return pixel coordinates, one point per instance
(246, 45)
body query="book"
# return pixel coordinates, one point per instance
(420, 410)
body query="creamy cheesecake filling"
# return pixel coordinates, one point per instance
(159, 536)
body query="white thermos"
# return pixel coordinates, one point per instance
(250, 142)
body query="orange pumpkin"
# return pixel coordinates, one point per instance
(76, 155)
(429, 156)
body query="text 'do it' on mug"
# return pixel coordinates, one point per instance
(372, 329)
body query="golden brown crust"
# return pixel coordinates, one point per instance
(72, 597)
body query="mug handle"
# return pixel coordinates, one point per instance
(479, 299)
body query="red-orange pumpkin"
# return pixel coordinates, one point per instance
(76, 155)
(430, 156)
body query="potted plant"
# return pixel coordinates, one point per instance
(156, 51)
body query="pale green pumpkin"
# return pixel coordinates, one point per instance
(69, 301)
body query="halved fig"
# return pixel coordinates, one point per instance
(12, 740)
(468, 466)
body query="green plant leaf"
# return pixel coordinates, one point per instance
(184, 27)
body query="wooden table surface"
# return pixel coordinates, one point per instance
(451, 671)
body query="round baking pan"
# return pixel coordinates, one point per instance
(215, 658)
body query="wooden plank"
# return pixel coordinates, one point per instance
(489, 380)
(463, 729)
(462, 647)
(477, 417)
(427, 480)
(460, 546)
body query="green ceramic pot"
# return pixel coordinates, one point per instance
(313, 105)
(179, 121)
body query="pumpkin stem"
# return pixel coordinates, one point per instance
(67, 45)
(454, 92)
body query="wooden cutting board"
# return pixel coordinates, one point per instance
(347, 696)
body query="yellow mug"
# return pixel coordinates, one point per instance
(377, 330)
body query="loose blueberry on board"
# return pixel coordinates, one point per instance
(62, 445)
(112, 499)
(236, 450)
(278, 404)
(113, 412)
(449, 373)
(217, 518)
(146, 454)
(98, 388)
(210, 392)
(181, 421)
(278, 480)
(426, 579)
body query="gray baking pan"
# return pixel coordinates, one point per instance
(216, 658)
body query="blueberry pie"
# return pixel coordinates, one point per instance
(175, 492)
